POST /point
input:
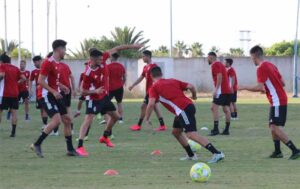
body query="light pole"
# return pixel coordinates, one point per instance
(5, 27)
(48, 10)
(32, 30)
(295, 83)
(171, 29)
(55, 19)
(19, 45)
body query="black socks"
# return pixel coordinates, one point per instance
(212, 149)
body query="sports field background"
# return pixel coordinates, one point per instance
(246, 164)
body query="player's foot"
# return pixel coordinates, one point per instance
(77, 114)
(103, 122)
(135, 128)
(161, 128)
(295, 155)
(216, 158)
(54, 133)
(106, 141)
(37, 149)
(12, 135)
(186, 158)
(276, 155)
(225, 132)
(81, 152)
(72, 153)
(214, 132)
(27, 118)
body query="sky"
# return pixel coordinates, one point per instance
(210, 22)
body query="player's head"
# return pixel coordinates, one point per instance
(22, 65)
(59, 48)
(228, 62)
(147, 55)
(95, 57)
(211, 58)
(5, 59)
(256, 54)
(37, 60)
(156, 73)
(115, 56)
(49, 54)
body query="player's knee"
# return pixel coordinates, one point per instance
(176, 133)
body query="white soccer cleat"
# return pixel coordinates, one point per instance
(187, 158)
(216, 158)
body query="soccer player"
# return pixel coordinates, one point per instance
(170, 93)
(37, 60)
(10, 76)
(270, 81)
(95, 87)
(147, 58)
(221, 93)
(81, 98)
(23, 89)
(50, 98)
(117, 78)
(233, 83)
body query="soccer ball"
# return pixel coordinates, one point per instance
(200, 172)
(194, 146)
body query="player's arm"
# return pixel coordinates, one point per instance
(218, 84)
(232, 82)
(149, 110)
(192, 89)
(2, 74)
(22, 78)
(140, 79)
(124, 47)
(72, 79)
(87, 92)
(43, 83)
(30, 87)
(259, 87)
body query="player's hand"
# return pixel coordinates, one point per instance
(194, 97)
(214, 93)
(57, 95)
(148, 123)
(66, 90)
(130, 88)
(99, 90)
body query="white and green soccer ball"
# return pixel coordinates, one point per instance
(200, 172)
(194, 146)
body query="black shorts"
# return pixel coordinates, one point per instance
(146, 99)
(53, 106)
(222, 100)
(99, 106)
(67, 98)
(38, 105)
(233, 97)
(117, 94)
(82, 98)
(186, 120)
(9, 103)
(278, 115)
(23, 95)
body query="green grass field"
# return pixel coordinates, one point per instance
(246, 164)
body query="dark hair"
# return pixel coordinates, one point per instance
(91, 49)
(257, 51)
(147, 53)
(115, 56)
(212, 54)
(36, 58)
(49, 54)
(229, 61)
(95, 53)
(58, 43)
(86, 63)
(156, 72)
(5, 58)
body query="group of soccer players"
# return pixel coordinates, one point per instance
(101, 82)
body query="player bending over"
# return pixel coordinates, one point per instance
(170, 93)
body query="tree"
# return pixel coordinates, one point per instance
(162, 51)
(10, 46)
(215, 49)
(196, 49)
(236, 52)
(180, 49)
(25, 53)
(283, 48)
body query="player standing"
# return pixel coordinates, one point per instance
(147, 58)
(233, 83)
(37, 60)
(269, 80)
(10, 76)
(117, 79)
(23, 89)
(170, 93)
(221, 93)
(50, 98)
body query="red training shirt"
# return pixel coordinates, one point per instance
(116, 73)
(34, 76)
(23, 86)
(232, 75)
(9, 84)
(216, 68)
(64, 74)
(147, 74)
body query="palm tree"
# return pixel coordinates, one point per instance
(10, 46)
(197, 50)
(236, 52)
(162, 51)
(215, 49)
(180, 48)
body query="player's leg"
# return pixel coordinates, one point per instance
(120, 111)
(79, 106)
(119, 98)
(138, 126)
(277, 152)
(162, 126)
(26, 105)
(226, 111)
(14, 120)
(215, 114)
(232, 111)
(88, 119)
